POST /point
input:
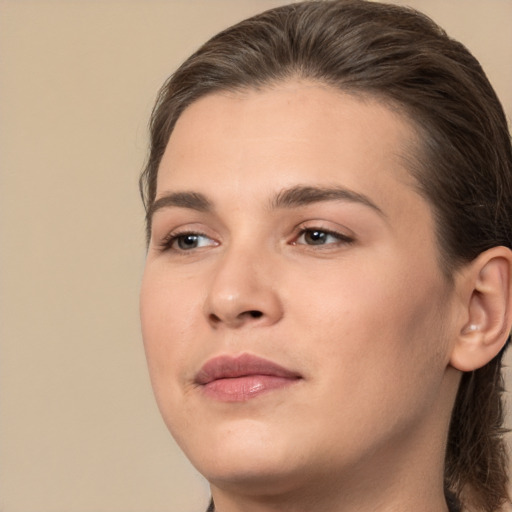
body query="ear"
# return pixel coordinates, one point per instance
(487, 319)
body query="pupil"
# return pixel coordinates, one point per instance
(187, 241)
(316, 237)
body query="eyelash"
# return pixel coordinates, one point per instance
(167, 243)
(341, 238)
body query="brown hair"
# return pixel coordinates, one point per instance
(463, 165)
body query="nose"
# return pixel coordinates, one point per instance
(243, 292)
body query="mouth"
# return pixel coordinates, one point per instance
(238, 379)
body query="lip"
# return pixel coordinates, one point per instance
(237, 379)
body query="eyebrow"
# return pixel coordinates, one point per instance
(191, 200)
(294, 197)
(304, 195)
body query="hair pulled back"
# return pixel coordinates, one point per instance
(463, 162)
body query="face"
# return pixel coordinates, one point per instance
(293, 309)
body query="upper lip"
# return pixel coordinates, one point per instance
(229, 367)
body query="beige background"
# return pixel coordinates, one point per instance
(79, 428)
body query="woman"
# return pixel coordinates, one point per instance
(327, 299)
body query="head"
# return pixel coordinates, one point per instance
(458, 157)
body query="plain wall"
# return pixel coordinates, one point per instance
(79, 430)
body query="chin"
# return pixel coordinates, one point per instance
(253, 477)
(247, 453)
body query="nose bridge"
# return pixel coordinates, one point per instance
(242, 289)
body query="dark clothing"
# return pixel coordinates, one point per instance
(451, 501)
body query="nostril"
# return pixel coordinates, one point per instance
(253, 313)
(214, 319)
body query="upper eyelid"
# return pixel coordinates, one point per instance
(325, 225)
(165, 230)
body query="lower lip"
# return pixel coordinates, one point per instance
(240, 389)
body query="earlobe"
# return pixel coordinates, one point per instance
(488, 320)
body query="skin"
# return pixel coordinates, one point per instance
(366, 318)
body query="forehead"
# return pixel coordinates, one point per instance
(294, 132)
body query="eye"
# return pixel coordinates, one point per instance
(314, 236)
(187, 241)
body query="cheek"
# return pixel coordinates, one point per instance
(385, 323)
(168, 310)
